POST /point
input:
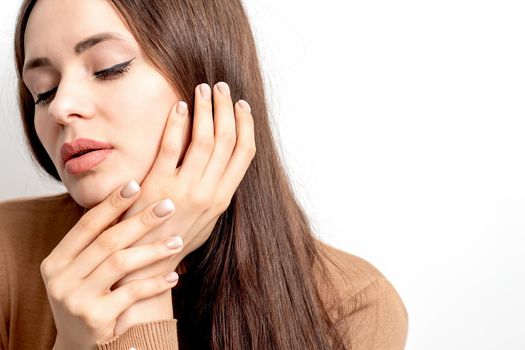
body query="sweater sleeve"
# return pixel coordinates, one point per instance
(153, 335)
(374, 318)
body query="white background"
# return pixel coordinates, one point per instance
(402, 127)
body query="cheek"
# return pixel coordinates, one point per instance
(144, 115)
(150, 99)
(147, 113)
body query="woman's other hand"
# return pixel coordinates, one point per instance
(221, 150)
(81, 269)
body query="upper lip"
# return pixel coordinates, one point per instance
(68, 150)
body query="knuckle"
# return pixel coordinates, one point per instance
(118, 261)
(107, 242)
(247, 118)
(248, 154)
(71, 304)
(228, 138)
(205, 144)
(93, 321)
(169, 148)
(45, 268)
(134, 290)
(224, 204)
(117, 202)
(54, 290)
(101, 316)
(159, 284)
(249, 149)
(148, 218)
(88, 224)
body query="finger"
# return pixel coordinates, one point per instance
(171, 145)
(123, 297)
(202, 139)
(124, 261)
(242, 155)
(119, 237)
(225, 136)
(95, 221)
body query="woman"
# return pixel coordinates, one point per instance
(158, 85)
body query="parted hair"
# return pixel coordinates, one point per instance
(251, 285)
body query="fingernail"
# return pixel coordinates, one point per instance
(244, 105)
(205, 91)
(173, 242)
(171, 277)
(164, 207)
(182, 107)
(224, 88)
(130, 189)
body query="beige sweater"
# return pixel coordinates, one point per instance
(373, 315)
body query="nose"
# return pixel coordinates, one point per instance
(71, 101)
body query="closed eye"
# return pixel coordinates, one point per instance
(107, 74)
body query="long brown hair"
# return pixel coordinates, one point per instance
(252, 284)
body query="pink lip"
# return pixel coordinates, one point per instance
(68, 150)
(87, 161)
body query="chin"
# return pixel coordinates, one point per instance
(89, 199)
(93, 189)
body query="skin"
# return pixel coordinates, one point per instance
(120, 111)
(136, 113)
(88, 260)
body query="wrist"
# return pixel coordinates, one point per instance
(151, 309)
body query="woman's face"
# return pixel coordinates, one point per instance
(129, 111)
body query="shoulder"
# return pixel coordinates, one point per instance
(350, 274)
(31, 225)
(29, 230)
(12, 210)
(366, 308)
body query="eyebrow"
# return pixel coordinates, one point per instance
(79, 48)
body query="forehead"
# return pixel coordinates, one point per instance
(59, 24)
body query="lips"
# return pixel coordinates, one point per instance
(81, 146)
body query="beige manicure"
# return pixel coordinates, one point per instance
(205, 91)
(163, 208)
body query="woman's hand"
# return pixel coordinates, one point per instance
(80, 270)
(222, 147)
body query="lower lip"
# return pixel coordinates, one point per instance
(87, 161)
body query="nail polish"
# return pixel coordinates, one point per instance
(205, 91)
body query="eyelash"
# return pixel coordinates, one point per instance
(107, 74)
